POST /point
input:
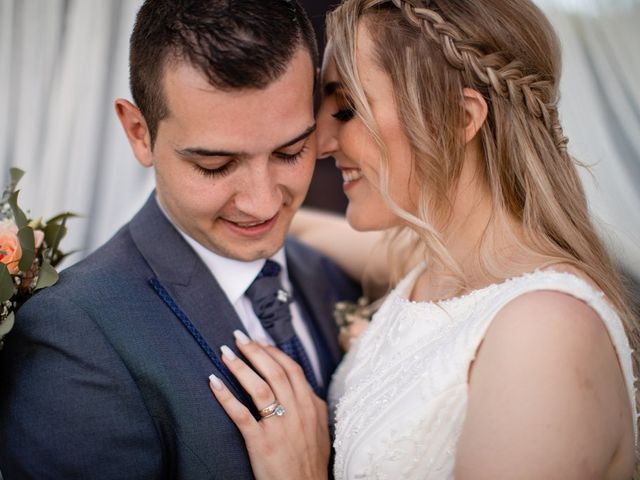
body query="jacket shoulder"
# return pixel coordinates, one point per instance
(117, 262)
(314, 264)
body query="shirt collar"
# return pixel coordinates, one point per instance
(233, 276)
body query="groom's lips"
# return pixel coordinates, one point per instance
(251, 230)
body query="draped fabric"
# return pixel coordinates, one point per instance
(600, 110)
(62, 63)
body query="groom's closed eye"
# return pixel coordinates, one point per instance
(219, 163)
(291, 157)
(221, 171)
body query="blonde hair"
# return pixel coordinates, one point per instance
(507, 51)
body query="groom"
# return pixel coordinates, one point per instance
(105, 375)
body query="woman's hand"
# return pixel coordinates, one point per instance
(294, 445)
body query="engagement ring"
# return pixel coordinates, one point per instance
(274, 409)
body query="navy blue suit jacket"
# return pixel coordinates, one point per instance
(100, 379)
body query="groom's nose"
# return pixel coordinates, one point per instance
(259, 195)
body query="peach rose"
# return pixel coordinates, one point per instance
(10, 249)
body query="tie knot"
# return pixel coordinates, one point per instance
(270, 269)
(270, 302)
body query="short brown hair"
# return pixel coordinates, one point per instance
(236, 44)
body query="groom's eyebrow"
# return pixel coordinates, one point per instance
(205, 152)
(307, 133)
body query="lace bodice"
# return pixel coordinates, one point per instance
(398, 399)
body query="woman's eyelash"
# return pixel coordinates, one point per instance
(344, 115)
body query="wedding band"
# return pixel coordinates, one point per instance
(269, 409)
(274, 409)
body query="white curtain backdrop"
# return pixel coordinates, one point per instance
(600, 109)
(62, 63)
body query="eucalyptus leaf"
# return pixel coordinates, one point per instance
(60, 257)
(16, 175)
(18, 215)
(60, 233)
(47, 276)
(62, 216)
(53, 233)
(28, 244)
(7, 324)
(7, 287)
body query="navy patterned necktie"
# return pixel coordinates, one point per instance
(271, 302)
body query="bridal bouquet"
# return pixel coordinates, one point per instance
(29, 253)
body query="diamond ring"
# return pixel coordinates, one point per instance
(273, 409)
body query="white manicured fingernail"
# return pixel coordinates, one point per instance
(241, 337)
(215, 382)
(227, 352)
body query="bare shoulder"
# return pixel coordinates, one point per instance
(550, 314)
(555, 338)
(559, 318)
(546, 395)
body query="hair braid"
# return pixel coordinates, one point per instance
(492, 70)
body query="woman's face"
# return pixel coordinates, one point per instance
(343, 135)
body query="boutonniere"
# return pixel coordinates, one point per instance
(29, 253)
(353, 318)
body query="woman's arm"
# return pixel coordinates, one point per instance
(355, 252)
(364, 256)
(547, 398)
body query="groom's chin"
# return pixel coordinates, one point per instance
(250, 250)
(251, 254)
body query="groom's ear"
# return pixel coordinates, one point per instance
(135, 127)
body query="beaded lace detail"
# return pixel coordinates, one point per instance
(398, 399)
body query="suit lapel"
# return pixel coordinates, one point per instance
(196, 293)
(185, 277)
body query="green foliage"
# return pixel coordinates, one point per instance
(18, 215)
(7, 286)
(48, 276)
(27, 242)
(54, 231)
(16, 175)
(6, 325)
(36, 267)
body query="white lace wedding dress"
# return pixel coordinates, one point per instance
(400, 395)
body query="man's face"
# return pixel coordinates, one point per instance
(232, 167)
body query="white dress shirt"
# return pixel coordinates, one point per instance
(235, 277)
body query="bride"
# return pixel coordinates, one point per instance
(503, 352)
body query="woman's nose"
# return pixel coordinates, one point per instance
(327, 132)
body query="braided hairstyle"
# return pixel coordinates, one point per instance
(508, 52)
